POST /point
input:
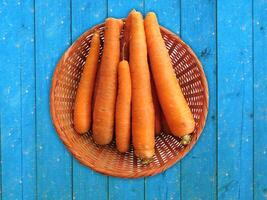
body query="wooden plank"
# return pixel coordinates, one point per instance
(54, 173)
(28, 135)
(87, 184)
(121, 8)
(17, 100)
(260, 99)
(198, 168)
(165, 185)
(125, 188)
(168, 13)
(235, 100)
(86, 14)
(11, 103)
(1, 148)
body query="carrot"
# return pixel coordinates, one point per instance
(143, 115)
(126, 38)
(83, 102)
(105, 100)
(185, 140)
(123, 108)
(96, 86)
(156, 108)
(172, 101)
(164, 125)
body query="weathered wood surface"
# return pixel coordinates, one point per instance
(228, 162)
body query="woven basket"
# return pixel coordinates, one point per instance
(106, 159)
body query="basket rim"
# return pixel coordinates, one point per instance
(114, 173)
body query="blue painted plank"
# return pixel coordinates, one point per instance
(198, 168)
(11, 101)
(235, 100)
(28, 135)
(260, 99)
(54, 173)
(86, 14)
(17, 100)
(167, 184)
(125, 188)
(121, 8)
(0, 149)
(168, 13)
(87, 184)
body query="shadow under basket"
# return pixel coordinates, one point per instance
(106, 159)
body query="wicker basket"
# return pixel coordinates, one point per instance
(106, 159)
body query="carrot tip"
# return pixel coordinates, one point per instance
(146, 161)
(186, 139)
(151, 13)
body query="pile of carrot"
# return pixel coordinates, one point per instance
(133, 92)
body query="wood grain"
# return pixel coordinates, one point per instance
(52, 30)
(13, 67)
(235, 100)
(260, 98)
(34, 163)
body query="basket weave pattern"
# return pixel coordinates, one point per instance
(106, 159)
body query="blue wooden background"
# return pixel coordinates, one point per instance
(228, 162)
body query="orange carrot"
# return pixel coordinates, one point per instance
(172, 101)
(123, 108)
(156, 108)
(96, 86)
(126, 38)
(185, 140)
(143, 114)
(83, 101)
(105, 100)
(164, 125)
